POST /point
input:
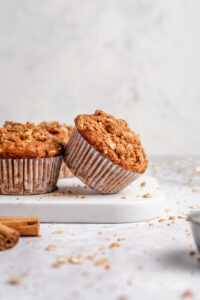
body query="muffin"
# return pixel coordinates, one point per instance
(105, 153)
(63, 133)
(30, 159)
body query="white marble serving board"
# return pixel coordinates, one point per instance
(85, 205)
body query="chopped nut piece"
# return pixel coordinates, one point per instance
(142, 184)
(192, 253)
(83, 197)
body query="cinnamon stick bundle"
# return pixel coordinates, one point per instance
(26, 226)
(8, 237)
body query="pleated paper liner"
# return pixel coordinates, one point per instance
(29, 176)
(96, 171)
(64, 171)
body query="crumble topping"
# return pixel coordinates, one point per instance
(19, 140)
(113, 139)
(60, 131)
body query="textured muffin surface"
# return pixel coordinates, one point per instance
(113, 139)
(61, 131)
(19, 140)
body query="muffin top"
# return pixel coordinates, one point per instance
(62, 132)
(113, 139)
(27, 141)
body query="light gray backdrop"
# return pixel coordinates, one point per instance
(138, 59)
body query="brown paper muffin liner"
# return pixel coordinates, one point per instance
(96, 171)
(28, 175)
(64, 171)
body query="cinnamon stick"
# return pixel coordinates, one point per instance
(26, 226)
(8, 237)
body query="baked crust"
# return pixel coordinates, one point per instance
(19, 140)
(113, 139)
(62, 132)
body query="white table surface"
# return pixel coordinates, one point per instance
(153, 262)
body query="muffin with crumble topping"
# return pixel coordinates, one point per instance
(105, 153)
(62, 132)
(30, 159)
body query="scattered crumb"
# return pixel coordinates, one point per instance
(101, 262)
(90, 257)
(107, 267)
(115, 245)
(167, 210)
(83, 197)
(14, 281)
(39, 235)
(63, 259)
(142, 184)
(147, 195)
(76, 260)
(187, 294)
(17, 198)
(100, 232)
(151, 224)
(56, 265)
(192, 253)
(131, 280)
(140, 267)
(29, 242)
(171, 218)
(51, 248)
(58, 232)
(161, 220)
(124, 197)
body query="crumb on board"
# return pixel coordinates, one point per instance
(58, 232)
(142, 184)
(115, 245)
(51, 248)
(76, 260)
(147, 195)
(192, 253)
(187, 294)
(101, 262)
(14, 281)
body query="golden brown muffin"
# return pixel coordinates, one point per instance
(113, 139)
(30, 159)
(28, 141)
